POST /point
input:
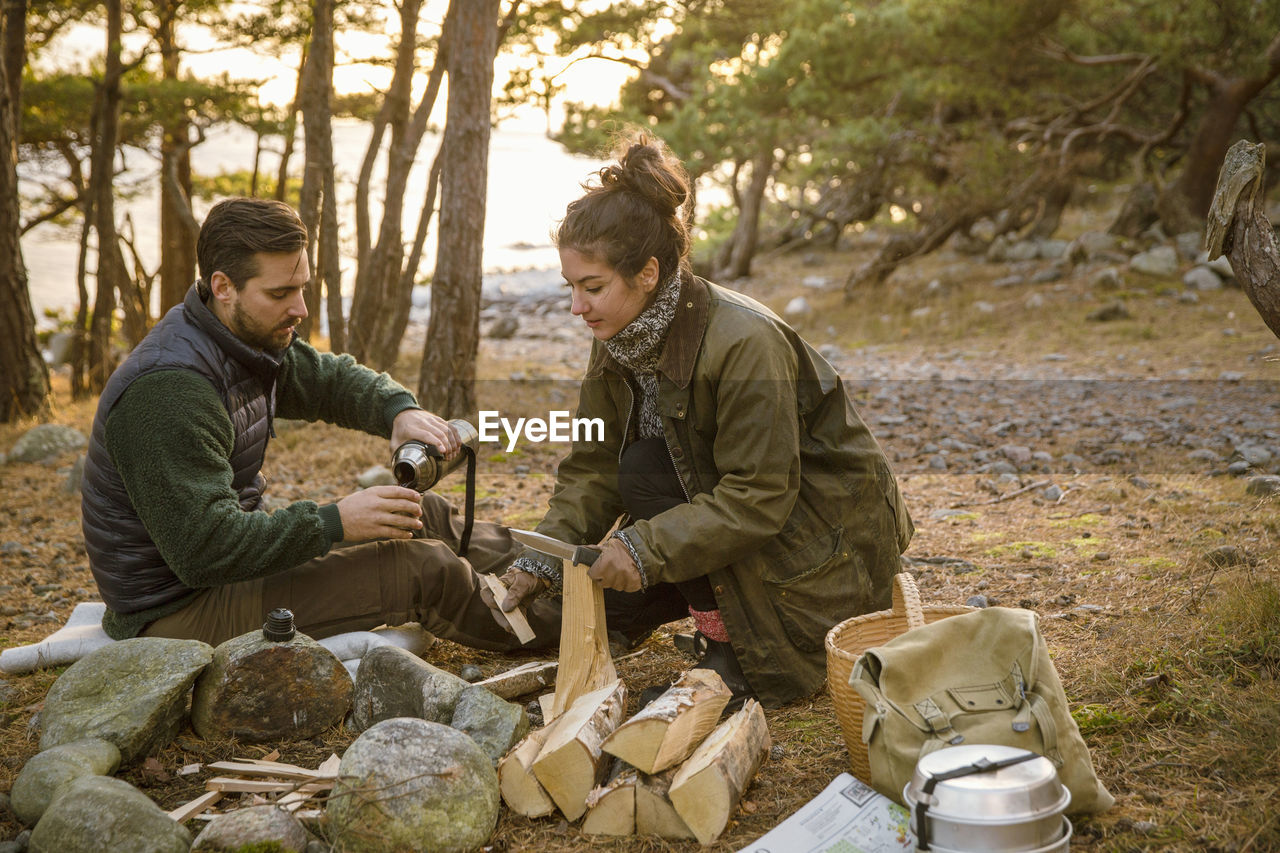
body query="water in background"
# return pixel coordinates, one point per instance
(530, 181)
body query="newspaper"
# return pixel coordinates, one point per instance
(847, 817)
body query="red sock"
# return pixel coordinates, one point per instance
(710, 624)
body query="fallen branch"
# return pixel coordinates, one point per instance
(1010, 496)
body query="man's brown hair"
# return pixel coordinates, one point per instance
(238, 228)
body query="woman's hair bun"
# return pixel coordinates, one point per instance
(649, 170)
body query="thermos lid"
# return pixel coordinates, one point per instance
(1011, 794)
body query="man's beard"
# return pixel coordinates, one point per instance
(252, 333)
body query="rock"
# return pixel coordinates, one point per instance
(1009, 281)
(1107, 313)
(984, 307)
(1047, 275)
(409, 784)
(493, 723)
(1239, 468)
(1225, 556)
(1221, 265)
(258, 690)
(46, 441)
(75, 476)
(1202, 278)
(267, 827)
(392, 682)
(1256, 456)
(1188, 297)
(144, 681)
(1133, 436)
(48, 771)
(59, 349)
(1023, 250)
(378, 475)
(1052, 492)
(94, 809)
(1160, 262)
(1016, 453)
(470, 673)
(504, 328)
(817, 282)
(1204, 454)
(977, 601)
(798, 309)
(1107, 278)
(1263, 487)
(8, 693)
(1091, 245)
(1189, 244)
(1033, 301)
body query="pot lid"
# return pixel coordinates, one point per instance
(1017, 792)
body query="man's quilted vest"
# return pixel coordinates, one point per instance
(130, 571)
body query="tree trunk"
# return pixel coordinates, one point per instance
(900, 248)
(24, 387)
(746, 234)
(330, 259)
(177, 241)
(1228, 98)
(376, 301)
(290, 131)
(1238, 226)
(113, 275)
(447, 381)
(13, 54)
(315, 86)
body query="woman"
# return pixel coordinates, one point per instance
(754, 498)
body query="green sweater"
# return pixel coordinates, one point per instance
(170, 437)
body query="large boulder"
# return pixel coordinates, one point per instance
(259, 690)
(411, 785)
(1159, 262)
(96, 813)
(255, 828)
(45, 442)
(132, 693)
(392, 682)
(48, 771)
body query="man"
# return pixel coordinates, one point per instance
(172, 508)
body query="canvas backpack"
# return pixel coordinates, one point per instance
(978, 678)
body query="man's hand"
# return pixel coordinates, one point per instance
(380, 512)
(522, 588)
(421, 425)
(614, 568)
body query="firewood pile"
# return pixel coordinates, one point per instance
(669, 770)
(245, 782)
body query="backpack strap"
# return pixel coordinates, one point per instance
(1048, 728)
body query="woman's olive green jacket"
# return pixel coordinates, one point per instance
(793, 514)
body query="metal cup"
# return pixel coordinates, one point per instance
(419, 466)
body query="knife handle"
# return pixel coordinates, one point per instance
(584, 555)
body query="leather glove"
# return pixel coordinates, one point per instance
(614, 568)
(522, 588)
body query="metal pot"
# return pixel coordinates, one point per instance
(987, 798)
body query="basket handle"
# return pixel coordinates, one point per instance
(906, 600)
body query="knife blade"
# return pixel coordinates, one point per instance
(581, 555)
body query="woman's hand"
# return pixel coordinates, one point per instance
(614, 568)
(522, 588)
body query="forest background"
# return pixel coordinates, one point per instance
(855, 142)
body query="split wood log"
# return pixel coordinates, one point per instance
(668, 729)
(261, 768)
(197, 806)
(519, 624)
(1238, 227)
(611, 808)
(521, 790)
(655, 813)
(571, 761)
(585, 662)
(228, 784)
(706, 788)
(524, 679)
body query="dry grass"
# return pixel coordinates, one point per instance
(1172, 676)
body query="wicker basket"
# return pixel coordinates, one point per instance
(847, 641)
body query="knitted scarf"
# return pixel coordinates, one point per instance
(638, 345)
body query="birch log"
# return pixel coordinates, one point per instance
(655, 814)
(585, 663)
(611, 808)
(1238, 227)
(521, 790)
(571, 761)
(668, 729)
(706, 789)
(524, 679)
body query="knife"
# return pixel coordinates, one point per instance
(581, 555)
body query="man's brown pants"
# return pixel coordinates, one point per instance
(388, 582)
